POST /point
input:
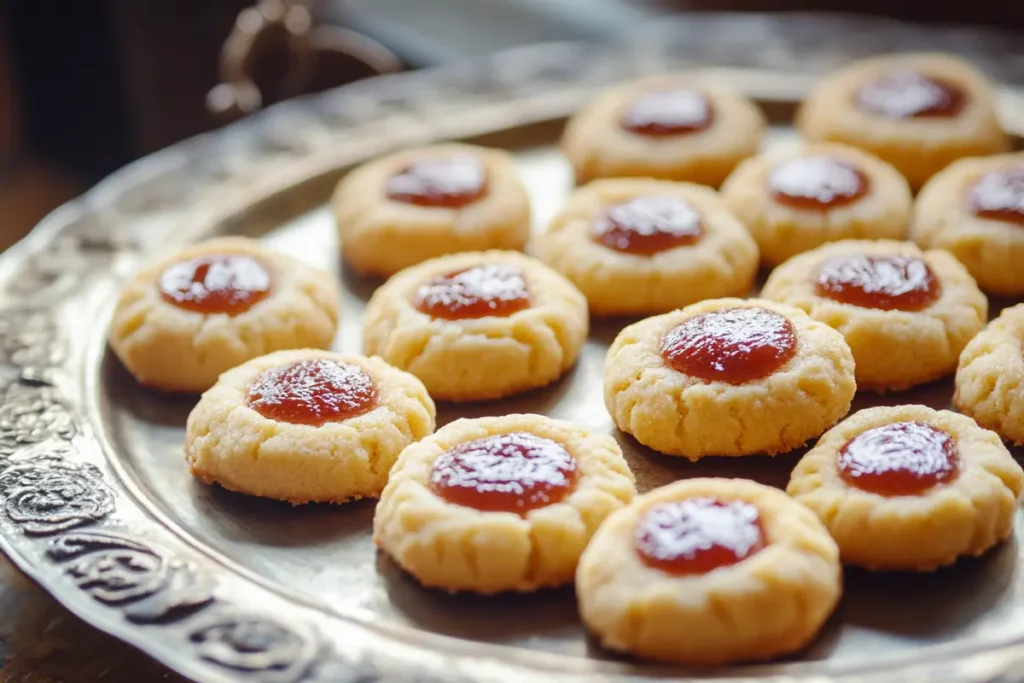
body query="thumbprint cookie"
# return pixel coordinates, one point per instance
(667, 127)
(500, 503)
(709, 571)
(975, 209)
(306, 426)
(990, 376)
(186, 317)
(728, 377)
(478, 326)
(793, 200)
(401, 209)
(919, 112)
(906, 313)
(637, 246)
(910, 488)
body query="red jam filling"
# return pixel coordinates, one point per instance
(648, 225)
(733, 345)
(817, 182)
(899, 459)
(515, 472)
(698, 535)
(999, 196)
(313, 392)
(907, 94)
(668, 112)
(450, 183)
(888, 283)
(216, 283)
(478, 292)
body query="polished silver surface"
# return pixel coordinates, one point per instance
(97, 504)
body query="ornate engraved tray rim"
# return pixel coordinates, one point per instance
(98, 545)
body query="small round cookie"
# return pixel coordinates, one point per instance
(500, 503)
(909, 488)
(637, 246)
(478, 326)
(991, 374)
(919, 112)
(401, 209)
(795, 199)
(906, 313)
(185, 318)
(975, 209)
(306, 426)
(670, 127)
(709, 571)
(728, 377)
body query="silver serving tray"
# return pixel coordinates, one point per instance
(95, 500)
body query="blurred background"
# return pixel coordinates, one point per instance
(86, 86)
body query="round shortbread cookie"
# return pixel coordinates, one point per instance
(672, 127)
(919, 112)
(906, 313)
(770, 600)
(524, 324)
(186, 317)
(682, 413)
(636, 246)
(417, 204)
(884, 484)
(991, 374)
(529, 519)
(975, 209)
(795, 199)
(306, 426)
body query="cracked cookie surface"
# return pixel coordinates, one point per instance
(990, 376)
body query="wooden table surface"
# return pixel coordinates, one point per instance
(41, 642)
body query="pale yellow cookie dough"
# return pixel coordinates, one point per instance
(893, 349)
(781, 231)
(964, 516)
(990, 377)
(597, 145)
(171, 348)
(458, 548)
(918, 147)
(992, 250)
(479, 358)
(229, 443)
(681, 415)
(769, 604)
(381, 236)
(722, 262)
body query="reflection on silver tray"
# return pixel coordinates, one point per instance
(94, 500)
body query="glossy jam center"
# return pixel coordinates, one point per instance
(733, 345)
(698, 535)
(477, 292)
(884, 282)
(908, 94)
(312, 392)
(647, 225)
(999, 196)
(450, 183)
(515, 472)
(217, 283)
(668, 112)
(817, 182)
(899, 459)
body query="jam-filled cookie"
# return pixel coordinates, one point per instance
(975, 209)
(401, 209)
(500, 503)
(478, 326)
(189, 316)
(709, 571)
(728, 377)
(636, 246)
(990, 376)
(910, 488)
(668, 127)
(919, 112)
(906, 313)
(306, 426)
(795, 199)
